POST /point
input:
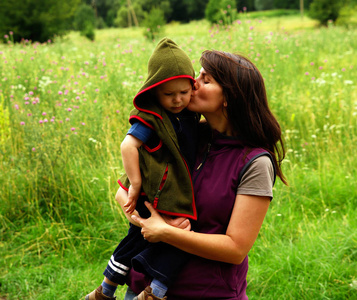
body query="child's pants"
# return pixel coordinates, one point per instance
(158, 260)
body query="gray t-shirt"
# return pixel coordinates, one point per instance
(258, 180)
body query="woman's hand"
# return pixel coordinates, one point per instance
(154, 227)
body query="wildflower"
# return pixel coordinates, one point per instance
(33, 149)
(69, 109)
(83, 123)
(40, 121)
(73, 129)
(60, 92)
(22, 123)
(67, 119)
(306, 73)
(45, 120)
(44, 114)
(312, 63)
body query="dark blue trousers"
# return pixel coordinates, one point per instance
(157, 260)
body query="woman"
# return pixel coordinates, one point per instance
(233, 179)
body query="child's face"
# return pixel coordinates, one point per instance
(174, 95)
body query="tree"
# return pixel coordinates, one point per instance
(36, 20)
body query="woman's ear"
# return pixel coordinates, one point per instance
(225, 104)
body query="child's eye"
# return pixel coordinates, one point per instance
(167, 94)
(184, 92)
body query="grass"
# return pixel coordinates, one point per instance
(63, 114)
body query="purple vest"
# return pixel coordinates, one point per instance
(215, 184)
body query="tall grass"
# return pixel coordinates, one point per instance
(63, 114)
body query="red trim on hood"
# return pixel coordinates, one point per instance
(154, 85)
(142, 121)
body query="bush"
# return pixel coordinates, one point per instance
(83, 16)
(326, 10)
(347, 17)
(154, 22)
(264, 4)
(223, 11)
(36, 20)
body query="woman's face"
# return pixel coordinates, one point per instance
(207, 98)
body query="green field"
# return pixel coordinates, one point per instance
(63, 113)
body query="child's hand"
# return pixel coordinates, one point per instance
(133, 195)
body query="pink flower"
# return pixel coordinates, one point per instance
(22, 123)
(33, 149)
(69, 109)
(312, 63)
(83, 123)
(60, 92)
(306, 73)
(44, 114)
(73, 129)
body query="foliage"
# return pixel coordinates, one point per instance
(347, 17)
(291, 4)
(85, 21)
(154, 23)
(264, 4)
(223, 11)
(164, 5)
(36, 20)
(326, 10)
(124, 17)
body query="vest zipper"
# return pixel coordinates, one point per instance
(199, 168)
(163, 180)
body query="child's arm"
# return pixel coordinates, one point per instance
(130, 157)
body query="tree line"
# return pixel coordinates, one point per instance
(41, 20)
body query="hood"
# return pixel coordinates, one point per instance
(167, 62)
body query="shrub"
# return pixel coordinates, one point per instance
(347, 17)
(84, 15)
(36, 20)
(326, 10)
(154, 22)
(264, 4)
(223, 11)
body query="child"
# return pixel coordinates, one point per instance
(158, 155)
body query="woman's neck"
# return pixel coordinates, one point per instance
(220, 124)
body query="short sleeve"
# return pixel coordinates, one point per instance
(259, 178)
(140, 131)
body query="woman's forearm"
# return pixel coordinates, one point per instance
(220, 247)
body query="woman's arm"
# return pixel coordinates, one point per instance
(247, 217)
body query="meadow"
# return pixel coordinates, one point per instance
(64, 111)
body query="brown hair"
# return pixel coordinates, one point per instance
(247, 105)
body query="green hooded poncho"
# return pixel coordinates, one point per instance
(166, 179)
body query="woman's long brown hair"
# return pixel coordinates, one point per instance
(247, 105)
